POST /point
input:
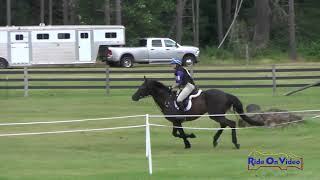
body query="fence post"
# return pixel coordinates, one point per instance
(147, 136)
(274, 83)
(26, 82)
(107, 79)
(247, 54)
(7, 90)
(148, 144)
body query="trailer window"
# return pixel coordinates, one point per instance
(63, 35)
(156, 43)
(19, 37)
(111, 35)
(84, 35)
(42, 36)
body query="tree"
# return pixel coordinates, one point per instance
(196, 41)
(219, 20)
(65, 5)
(195, 22)
(292, 32)
(42, 11)
(107, 12)
(50, 12)
(227, 13)
(118, 12)
(262, 24)
(179, 10)
(9, 12)
(72, 11)
(143, 19)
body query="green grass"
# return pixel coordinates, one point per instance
(120, 154)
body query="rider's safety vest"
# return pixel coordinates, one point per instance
(183, 77)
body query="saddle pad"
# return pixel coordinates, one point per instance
(188, 107)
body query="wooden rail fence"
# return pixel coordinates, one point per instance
(107, 79)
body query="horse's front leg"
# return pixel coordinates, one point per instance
(182, 134)
(175, 132)
(185, 134)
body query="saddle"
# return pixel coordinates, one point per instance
(188, 101)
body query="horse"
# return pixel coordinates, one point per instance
(212, 101)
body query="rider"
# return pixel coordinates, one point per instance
(184, 81)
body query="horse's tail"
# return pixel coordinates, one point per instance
(237, 106)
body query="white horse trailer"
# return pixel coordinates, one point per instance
(44, 45)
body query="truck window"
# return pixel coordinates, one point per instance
(169, 43)
(156, 43)
(142, 43)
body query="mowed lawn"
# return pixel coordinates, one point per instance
(120, 154)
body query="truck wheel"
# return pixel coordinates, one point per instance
(127, 61)
(188, 60)
(3, 64)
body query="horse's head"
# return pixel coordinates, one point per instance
(162, 95)
(151, 87)
(143, 91)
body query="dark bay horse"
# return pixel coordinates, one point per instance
(211, 101)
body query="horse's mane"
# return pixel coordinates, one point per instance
(158, 84)
(161, 92)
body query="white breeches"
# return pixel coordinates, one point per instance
(185, 92)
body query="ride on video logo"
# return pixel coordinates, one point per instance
(283, 161)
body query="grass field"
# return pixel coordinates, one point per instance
(120, 154)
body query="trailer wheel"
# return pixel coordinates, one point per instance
(127, 61)
(3, 64)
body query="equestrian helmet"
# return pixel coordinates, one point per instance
(176, 61)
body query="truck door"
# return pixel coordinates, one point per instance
(84, 40)
(171, 49)
(20, 48)
(156, 51)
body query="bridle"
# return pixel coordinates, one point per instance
(148, 90)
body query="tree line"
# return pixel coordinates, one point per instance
(231, 24)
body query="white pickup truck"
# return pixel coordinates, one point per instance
(151, 50)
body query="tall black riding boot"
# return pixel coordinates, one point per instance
(181, 107)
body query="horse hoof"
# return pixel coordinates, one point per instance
(187, 146)
(215, 144)
(237, 146)
(192, 135)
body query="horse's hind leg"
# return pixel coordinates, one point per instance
(234, 138)
(231, 124)
(217, 135)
